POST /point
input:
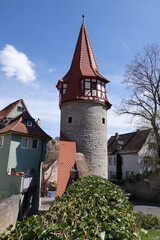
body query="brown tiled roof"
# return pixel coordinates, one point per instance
(7, 110)
(18, 125)
(67, 159)
(132, 142)
(83, 66)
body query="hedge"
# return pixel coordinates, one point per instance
(91, 208)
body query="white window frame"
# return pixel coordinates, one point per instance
(1, 141)
(37, 143)
(22, 142)
(29, 123)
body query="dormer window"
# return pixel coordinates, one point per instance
(29, 123)
(93, 89)
(20, 109)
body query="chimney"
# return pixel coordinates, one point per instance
(116, 136)
(38, 122)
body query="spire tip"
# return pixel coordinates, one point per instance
(83, 19)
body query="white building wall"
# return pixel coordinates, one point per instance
(130, 165)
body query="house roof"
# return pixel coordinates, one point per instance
(132, 142)
(83, 66)
(18, 125)
(7, 110)
(67, 159)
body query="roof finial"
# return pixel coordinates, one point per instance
(83, 19)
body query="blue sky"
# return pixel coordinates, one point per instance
(37, 42)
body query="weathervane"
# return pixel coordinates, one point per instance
(83, 19)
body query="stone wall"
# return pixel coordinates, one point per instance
(148, 188)
(86, 124)
(9, 209)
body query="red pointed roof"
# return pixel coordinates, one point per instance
(7, 110)
(18, 125)
(84, 60)
(83, 66)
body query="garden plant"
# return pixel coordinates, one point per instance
(91, 208)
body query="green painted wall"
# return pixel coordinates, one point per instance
(4, 154)
(24, 158)
(13, 156)
(8, 184)
(15, 113)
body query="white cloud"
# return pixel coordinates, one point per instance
(51, 70)
(16, 64)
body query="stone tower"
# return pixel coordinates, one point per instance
(84, 104)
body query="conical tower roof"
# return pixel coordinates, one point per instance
(83, 66)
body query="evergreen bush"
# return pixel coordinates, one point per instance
(91, 208)
(147, 221)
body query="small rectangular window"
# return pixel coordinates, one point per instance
(20, 109)
(127, 173)
(70, 120)
(24, 143)
(93, 85)
(103, 120)
(87, 85)
(35, 144)
(1, 141)
(29, 123)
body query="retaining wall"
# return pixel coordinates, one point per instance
(9, 209)
(147, 189)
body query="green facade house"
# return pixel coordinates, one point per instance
(22, 150)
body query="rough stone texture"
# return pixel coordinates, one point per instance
(147, 189)
(89, 133)
(82, 166)
(9, 209)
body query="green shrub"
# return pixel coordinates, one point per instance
(137, 177)
(147, 221)
(91, 208)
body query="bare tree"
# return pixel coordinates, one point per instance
(142, 78)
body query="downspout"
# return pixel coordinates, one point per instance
(40, 173)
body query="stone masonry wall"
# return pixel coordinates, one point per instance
(89, 132)
(9, 209)
(147, 189)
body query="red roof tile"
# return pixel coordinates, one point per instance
(7, 110)
(67, 159)
(18, 125)
(83, 66)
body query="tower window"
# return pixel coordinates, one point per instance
(93, 85)
(103, 120)
(70, 120)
